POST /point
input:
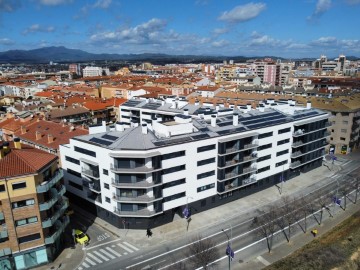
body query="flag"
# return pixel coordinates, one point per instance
(186, 212)
(230, 252)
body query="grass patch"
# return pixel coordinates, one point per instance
(337, 249)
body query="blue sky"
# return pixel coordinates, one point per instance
(284, 28)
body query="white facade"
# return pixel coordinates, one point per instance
(92, 71)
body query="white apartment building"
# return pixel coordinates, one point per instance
(145, 174)
(92, 71)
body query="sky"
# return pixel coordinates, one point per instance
(282, 28)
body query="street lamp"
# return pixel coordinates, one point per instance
(186, 211)
(229, 251)
(336, 199)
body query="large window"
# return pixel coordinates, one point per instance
(263, 147)
(26, 221)
(29, 238)
(263, 169)
(19, 185)
(73, 172)
(206, 148)
(280, 153)
(264, 158)
(283, 141)
(173, 155)
(284, 130)
(84, 151)
(174, 197)
(281, 163)
(203, 188)
(71, 183)
(265, 135)
(23, 203)
(205, 174)
(72, 160)
(174, 169)
(2, 188)
(174, 183)
(205, 161)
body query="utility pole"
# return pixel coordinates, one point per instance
(229, 251)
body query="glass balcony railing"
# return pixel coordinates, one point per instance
(51, 220)
(46, 185)
(60, 227)
(48, 204)
(91, 173)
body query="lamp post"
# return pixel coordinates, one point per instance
(336, 196)
(229, 251)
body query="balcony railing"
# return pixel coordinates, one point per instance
(296, 144)
(95, 187)
(139, 213)
(60, 227)
(51, 220)
(139, 169)
(46, 185)
(237, 149)
(141, 198)
(296, 154)
(295, 164)
(140, 184)
(91, 173)
(48, 204)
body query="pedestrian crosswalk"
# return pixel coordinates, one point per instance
(106, 253)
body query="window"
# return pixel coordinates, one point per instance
(23, 203)
(263, 169)
(205, 161)
(206, 148)
(345, 122)
(342, 139)
(265, 135)
(107, 199)
(19, 185)
(106, 172)
(284, 130)
(283, 141)
(174, 197)
(2, 188)
(280, 153)
(26, 221)
(281, 163)
(263, 147)
(199, 189)
(173, 155)
(84, 151)
(71, 183)
(174, 183)
(205, 174)
(29, 238)
(343, 130)
(72, 160)
(264, 158)
(174, 169)
(70, 171)
(106, 186)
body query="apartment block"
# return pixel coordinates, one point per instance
(32, 206)
(143, 175)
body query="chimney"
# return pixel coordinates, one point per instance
(6, 147)
(217, 107)
(308, 105)
(71, 128)
(23, 129)
(50, 138)
(213, 120)
(261, 108)
(17, 143)
(144, 128)
(186, 111)
(235, 119)
(38, 135)
(248, 106)
(119, 126)
(2, 152)
(196, 102)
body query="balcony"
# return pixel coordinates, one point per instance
(245, 171)
(139, 213)
(95, 187)
(46, 185)
(60, 227)
(51, 220)
(296, 154)
(142, 198)
(47, 205)
(301, 132)
(295, 164)
(327, 133)
(140, 184)
(90, 173)
(236, 149)
(140, 169)
(297, 144)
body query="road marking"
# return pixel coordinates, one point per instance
(85, 265)
(94, 257)
(90, 261)
(113, 251)
(130, 245)
(103, 244)
(126, 248)
(107, 253)
(80, 268)
(265, 262)
(100, 255)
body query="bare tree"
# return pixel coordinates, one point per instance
(304, 208)
(321, 200)
(266, 225)
(201, 252)
(345, 191)
(289, 213)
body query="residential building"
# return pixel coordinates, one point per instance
(32, 206)
(92, 71)
(144, 175)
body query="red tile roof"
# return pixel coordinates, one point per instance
(24, 161)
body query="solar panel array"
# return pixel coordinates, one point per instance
(100, 141)
(109, 137)
(230, 131)
(200, 136)
(132, 103)
(304, 115)
(151, 106)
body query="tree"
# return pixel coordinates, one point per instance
(321, 200)
(288, 214)
(201, 252)
(304, 207)
(266, 225)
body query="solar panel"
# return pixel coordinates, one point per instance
(200, 136)
(100, 141)
(304, 115)
(109, 137)
(173, 141)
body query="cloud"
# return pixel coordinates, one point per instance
(37, 28)
(258, 39)
(243, 13)
(321, 7)
(352, 2)
(220, 31)
(6, 41)
(324, 41)
(104, 4)
(298, 46)
(55, 2)
(220, 43)
(9, 5)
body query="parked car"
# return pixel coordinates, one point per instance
(81, 237)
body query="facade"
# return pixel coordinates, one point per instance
(32, 207)
(92, 71)
(145, 174)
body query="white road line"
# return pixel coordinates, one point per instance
(103, 244)
(126, 248)
(265, 262)
(94, 257)
(90, 261)
(113, 251)
(80, 268)
(130, 245)
(100, 255)
(107, 254)
(85, 265)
